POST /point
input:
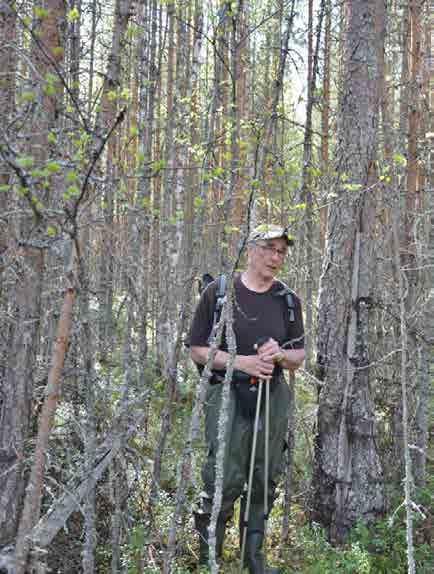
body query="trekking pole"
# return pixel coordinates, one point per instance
(266, 456)
(251, 469)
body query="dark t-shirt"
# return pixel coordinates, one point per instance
(256, 315)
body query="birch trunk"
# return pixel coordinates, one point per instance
(408, 476)
(184, 81)
(164, 336)
(325, 125)
(89, 380)
(428, 352)
(306, 235)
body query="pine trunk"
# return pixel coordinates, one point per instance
(347, 474)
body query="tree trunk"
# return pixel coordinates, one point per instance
(10, 464)
(306, 235)
(32, 503)
(414, 208)
(105, 118)
(89, 379)
(26, 286)
(347, 472)
(325, 126)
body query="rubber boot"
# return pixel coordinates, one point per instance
(201, 522)
(254, 557)
(243, 501)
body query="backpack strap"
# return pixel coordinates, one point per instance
(286, 292)
(291, 306)
(220, 299)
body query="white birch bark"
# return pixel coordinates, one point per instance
(56, 517)
(408, 478)
(222, 427)
(89, 436)
(184, 477)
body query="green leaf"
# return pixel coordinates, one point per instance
(399, 159)
(52, 138)
(4, 188)
(73, 15)
(353, 186)
(28, 97)
(58, 51)
(385, 178)
(132, 31)
(72, 191)
(25, 161)
(49, 90)
(314, 171)
(51, 78)
(218, 171)
(230, 228)
(51, 231)
(53, 167)
(40, 12)
(157, 166)
(37, 173)
(298, 207)
(125, 94)
(71, 177)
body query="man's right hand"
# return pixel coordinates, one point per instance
(255, 366)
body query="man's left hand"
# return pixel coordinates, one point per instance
(271, 352)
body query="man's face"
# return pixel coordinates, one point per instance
(267, 257)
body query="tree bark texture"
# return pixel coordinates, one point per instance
(32, 502)
(347, 480)
(17, 389)
(105, 119)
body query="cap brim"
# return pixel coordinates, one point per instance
(289, 240)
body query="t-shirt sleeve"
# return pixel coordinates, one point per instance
(203, 317)
(296, 334)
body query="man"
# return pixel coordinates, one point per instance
(260, 313)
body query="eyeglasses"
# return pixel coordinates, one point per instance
(281, 253)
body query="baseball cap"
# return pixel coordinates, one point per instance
(270, 231)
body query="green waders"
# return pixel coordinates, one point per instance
(239, 435)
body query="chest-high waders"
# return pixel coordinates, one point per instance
(245, 518)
